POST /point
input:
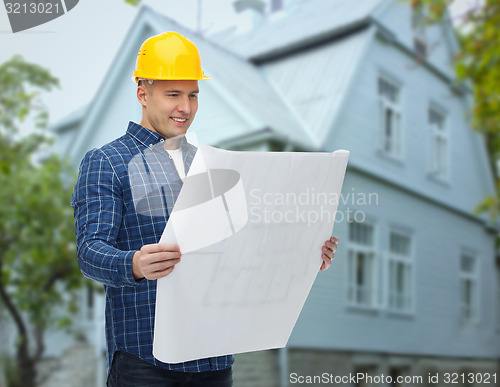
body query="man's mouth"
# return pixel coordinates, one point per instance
(176, 119)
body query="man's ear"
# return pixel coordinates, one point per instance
(141, 95)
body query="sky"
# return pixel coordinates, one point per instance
(82, 44)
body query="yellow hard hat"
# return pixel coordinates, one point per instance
(168, 55)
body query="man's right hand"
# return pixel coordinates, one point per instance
(155, 261)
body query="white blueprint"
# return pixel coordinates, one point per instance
(250, 226)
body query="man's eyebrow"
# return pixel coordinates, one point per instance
(180, 91)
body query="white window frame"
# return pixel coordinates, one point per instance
(358, 296)
(469, 314)
(407, 298)
(439, 144)
(391, 145)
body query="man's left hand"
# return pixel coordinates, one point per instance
(329, 249)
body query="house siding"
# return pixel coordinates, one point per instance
(434, 327)
(357, 129)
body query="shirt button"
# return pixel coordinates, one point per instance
(162, 140)
(150, 146)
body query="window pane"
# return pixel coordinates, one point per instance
(436, 119)
(400, 277)
(360, 287)
(396, 134)
(399, 243)
(399, 285)
(361, 233)
(400, 268)
(467, 292)
(388, 132)
(441, 155)
(388, 90)
(408, 288)
(467, 263)
(420, 47)
(359, 269)
(468, 298)
(439, 142)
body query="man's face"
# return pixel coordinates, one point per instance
(170, 106)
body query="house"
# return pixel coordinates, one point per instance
(414, 289)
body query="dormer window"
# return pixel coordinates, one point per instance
(418, 23)
(420, 47)
(276, 5)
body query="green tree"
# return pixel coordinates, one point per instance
(38, 266)
(477, 65)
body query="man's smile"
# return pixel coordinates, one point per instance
(179, 121)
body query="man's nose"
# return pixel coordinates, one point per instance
(184, 105)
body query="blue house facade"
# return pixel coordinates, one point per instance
(414, 289)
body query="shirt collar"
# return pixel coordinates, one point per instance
(145, 136)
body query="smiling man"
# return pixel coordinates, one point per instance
(117, 241)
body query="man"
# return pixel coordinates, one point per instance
(117, 234)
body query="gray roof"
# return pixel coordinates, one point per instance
(307, 22)
(315, 83)
(68, 121)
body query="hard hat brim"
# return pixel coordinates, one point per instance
(135, 78)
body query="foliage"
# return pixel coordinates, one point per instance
(36, 230)
(133, 2)
(38, 265)
(477, 65)
(16, 99)
(8, 370)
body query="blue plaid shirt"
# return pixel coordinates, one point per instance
(109, 230)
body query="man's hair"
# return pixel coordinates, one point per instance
(147, 83)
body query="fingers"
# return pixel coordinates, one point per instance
(332, 244)
(155, 260)
(162, 265)
(160, 247)
(328, 251)
(327, 261)
(160, 274)
(158, 269)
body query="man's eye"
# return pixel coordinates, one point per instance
(172, 95)
(194, 96)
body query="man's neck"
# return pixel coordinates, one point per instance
(170, 143)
